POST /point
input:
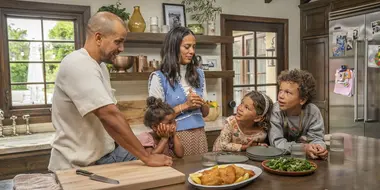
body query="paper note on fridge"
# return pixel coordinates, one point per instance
(344, 82)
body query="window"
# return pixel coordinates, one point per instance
(36, 37)
(251, 66)
(35, 49)
(258, 55)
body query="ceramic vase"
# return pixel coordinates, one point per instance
(136, 22)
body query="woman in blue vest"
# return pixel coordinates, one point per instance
(181, 83)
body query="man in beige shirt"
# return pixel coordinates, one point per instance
(84, 113)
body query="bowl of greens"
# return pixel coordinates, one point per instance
(289, 166)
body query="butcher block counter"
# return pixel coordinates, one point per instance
(358, 168)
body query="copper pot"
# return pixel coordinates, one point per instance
(142, 62)
(123, 63)
(155, 64)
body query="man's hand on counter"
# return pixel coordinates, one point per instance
(158, 160)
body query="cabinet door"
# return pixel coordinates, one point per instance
(315, 60)
(211, 137)
(314, 20)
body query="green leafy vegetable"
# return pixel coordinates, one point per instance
(290, 164)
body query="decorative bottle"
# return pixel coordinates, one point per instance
(136, 22)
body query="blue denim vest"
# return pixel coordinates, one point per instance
(189, 119)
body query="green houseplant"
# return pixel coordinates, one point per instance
(203, 11)
(117, 10)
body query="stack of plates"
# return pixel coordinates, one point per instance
(261, 153)
(231, 158)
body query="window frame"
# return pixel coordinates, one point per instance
(230, 23)
(25, 9)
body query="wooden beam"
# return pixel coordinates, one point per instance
(268, 1)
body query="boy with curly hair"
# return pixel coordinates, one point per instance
(294, 118)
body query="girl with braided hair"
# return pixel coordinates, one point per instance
(249, 126)
(163, 138)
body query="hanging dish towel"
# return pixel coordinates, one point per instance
(35, 181)
(344, 82)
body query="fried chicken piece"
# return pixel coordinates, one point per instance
(227, 174)
(211, 177)
(250, 172)
(239, 171)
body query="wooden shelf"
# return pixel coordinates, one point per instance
(374, 42)
(145, 75)
(158, 38)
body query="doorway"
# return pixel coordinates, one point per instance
(258, 55)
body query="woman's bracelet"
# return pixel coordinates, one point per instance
(180, 108)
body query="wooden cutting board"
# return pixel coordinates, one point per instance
(131, 175)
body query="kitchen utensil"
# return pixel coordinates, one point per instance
(142, 62)
(96, 177)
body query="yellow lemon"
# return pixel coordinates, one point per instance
(240, 179)
(245, 176)
(196, 179)
(196, 175)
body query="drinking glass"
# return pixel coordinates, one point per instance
(298, 151)
(209, 159)
(337, 143)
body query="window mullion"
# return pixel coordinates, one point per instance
(43, 60)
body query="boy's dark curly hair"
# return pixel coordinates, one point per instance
(305, 81)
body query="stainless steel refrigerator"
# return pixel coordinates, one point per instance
(354, 42)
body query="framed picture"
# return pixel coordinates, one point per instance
(174, 15)
(211, 63)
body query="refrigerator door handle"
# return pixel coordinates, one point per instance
(356, 81)
(356, 119)
(366, 80)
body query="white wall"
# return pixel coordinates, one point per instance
(276, 9)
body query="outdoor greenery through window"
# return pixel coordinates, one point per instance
(36, 47)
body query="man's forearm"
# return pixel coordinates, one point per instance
(118, 128)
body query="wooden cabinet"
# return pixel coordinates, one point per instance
(25, 162)
(314, 50)
(315, 60)
(314, 19)
(344, 4)
(211, 137)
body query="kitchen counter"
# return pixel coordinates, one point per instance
(41, 141)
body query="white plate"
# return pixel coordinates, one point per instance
(257, 171)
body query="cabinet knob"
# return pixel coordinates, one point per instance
(232, 104)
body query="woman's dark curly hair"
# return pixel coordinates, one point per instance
(305, 81)
(156, 111)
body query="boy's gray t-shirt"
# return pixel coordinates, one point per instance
(312, 127)
(82, 86)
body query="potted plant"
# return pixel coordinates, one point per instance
(117, 10)
(203, 11)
